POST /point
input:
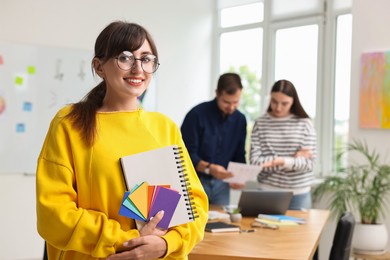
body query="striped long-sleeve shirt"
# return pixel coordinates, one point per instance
(283, 137)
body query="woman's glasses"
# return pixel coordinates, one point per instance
(126, 61)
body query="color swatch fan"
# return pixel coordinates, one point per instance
(165, 165)
(145, 201)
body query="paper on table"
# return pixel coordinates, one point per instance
(281, 218)
(277, 223)
(218, 215)
(242, 172)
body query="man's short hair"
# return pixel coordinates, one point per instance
(229, 83)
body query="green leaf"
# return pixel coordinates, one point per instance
(359, 187)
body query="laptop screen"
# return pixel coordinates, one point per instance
(254, 202)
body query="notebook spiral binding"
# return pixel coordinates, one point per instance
(192, 212)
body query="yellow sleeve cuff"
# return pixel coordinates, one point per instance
(173, 240)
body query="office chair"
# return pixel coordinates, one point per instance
(342, 240)
(45, 253)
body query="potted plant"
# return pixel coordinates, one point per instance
(234, 213)
(360, 187)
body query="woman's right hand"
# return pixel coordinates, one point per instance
(277, 161)
(151, 228)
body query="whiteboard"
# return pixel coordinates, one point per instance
(35, 82)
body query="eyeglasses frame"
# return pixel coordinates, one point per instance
(135, 61)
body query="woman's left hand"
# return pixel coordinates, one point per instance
(142, 248)
(304, 152)
(149, 245)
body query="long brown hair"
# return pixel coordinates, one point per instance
(286, 87)
(116, 37)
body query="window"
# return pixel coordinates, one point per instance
(281, 9)
(342, 79)
(241, 52)
(296, 51)
(305, 41)
(242, 14)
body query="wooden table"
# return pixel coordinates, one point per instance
(287, 242)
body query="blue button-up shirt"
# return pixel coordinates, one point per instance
(212, 137)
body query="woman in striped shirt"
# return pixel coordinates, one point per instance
(283, 141)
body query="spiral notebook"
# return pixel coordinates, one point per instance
(161, 166)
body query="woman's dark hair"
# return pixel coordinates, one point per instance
(286, 87)
(115, 38)
(229, 83)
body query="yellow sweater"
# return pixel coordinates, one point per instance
(79, 189)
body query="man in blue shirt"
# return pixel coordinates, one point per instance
(214, 133)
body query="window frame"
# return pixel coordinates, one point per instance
(327, 21)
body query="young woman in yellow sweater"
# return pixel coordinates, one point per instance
(79, 180)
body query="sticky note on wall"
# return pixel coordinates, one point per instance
(31, 70)
(19, 80)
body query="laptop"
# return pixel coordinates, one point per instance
(253, 202)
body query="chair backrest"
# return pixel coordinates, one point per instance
(45, 252)
(341, 247)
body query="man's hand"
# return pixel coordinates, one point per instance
(237, 186)
(219, 172)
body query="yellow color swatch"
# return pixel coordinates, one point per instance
(140, 198)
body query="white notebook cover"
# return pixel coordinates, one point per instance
(158, 167)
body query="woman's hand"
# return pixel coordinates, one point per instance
(142, 248)
(277, 161)
(304, 152)
(151, 228)
(149, 245)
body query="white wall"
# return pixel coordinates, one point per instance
(183, 34)
(369, 34)
(182, 31)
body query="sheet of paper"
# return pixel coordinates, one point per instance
(242, 172)
(218, 215)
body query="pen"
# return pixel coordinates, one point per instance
(247, 230)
